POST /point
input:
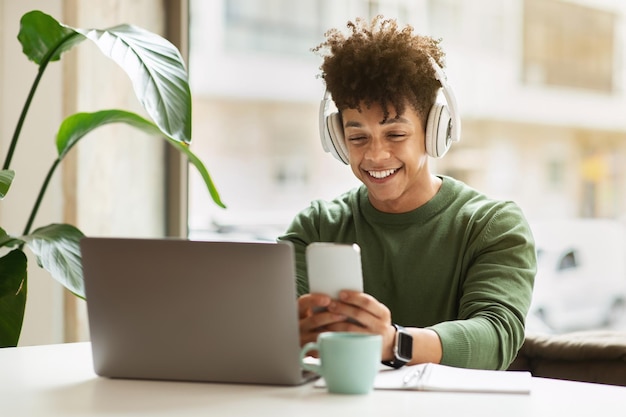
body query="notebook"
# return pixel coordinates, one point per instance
(173, 309)
(436, 377)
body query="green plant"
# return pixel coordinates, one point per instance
(159, 78)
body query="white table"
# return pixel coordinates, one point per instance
(58, 380)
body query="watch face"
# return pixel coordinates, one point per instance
(405, 346)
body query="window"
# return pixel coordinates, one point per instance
(558, 52)
(273, 26)
(539, 124)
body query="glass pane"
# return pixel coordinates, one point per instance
(543, 124)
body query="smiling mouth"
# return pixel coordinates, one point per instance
(382, 174)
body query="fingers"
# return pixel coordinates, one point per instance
(313, 325)
(373, 317)
(319, 321)
(353, 312)
(314, 317)
(363, 301)
(309, 302)
(365, 309)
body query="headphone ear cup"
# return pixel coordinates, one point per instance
(335, 130)
(438, 126)
(331, 130)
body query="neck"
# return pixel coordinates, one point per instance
(423, 194)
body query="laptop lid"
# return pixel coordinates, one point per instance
(192, 310)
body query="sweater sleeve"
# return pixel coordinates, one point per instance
(322, 221)
(495, 295)
(300, 233)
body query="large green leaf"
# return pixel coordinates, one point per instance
(157, 72)
(57, 248)
(153, 64)
(44, 39)
(78, 125)
(183, 147)
(7, 240)
(6, 178)
(12, 296)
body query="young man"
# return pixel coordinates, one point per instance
(444, 266)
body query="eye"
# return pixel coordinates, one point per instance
(396, 135)
(357, 138)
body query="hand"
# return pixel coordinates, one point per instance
(314, 318)
(360, 312)
(371, 316)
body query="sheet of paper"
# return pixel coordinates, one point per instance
(434, 377)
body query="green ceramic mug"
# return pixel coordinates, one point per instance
(348, 363)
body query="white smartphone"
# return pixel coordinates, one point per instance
(333, 267)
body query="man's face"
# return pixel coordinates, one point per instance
(389, 158)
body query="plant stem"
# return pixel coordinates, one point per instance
(20, 122)
(44, 187)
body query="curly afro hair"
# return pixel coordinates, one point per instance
(380, 63)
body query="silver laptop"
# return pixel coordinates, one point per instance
(185, 310)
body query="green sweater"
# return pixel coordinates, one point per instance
(462, 265)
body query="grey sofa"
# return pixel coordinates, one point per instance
(590, 356)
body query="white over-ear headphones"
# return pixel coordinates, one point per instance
(442, 127)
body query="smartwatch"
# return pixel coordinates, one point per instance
(402, 349)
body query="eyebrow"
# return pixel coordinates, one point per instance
(398, 119)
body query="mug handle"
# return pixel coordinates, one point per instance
(303, 353)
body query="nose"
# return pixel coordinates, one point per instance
(377, 150)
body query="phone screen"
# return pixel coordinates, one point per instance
(333, 267)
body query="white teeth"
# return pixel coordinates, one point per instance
(382, 174)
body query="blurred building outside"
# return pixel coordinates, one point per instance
(540, 86)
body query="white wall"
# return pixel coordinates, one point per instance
(32, 159)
